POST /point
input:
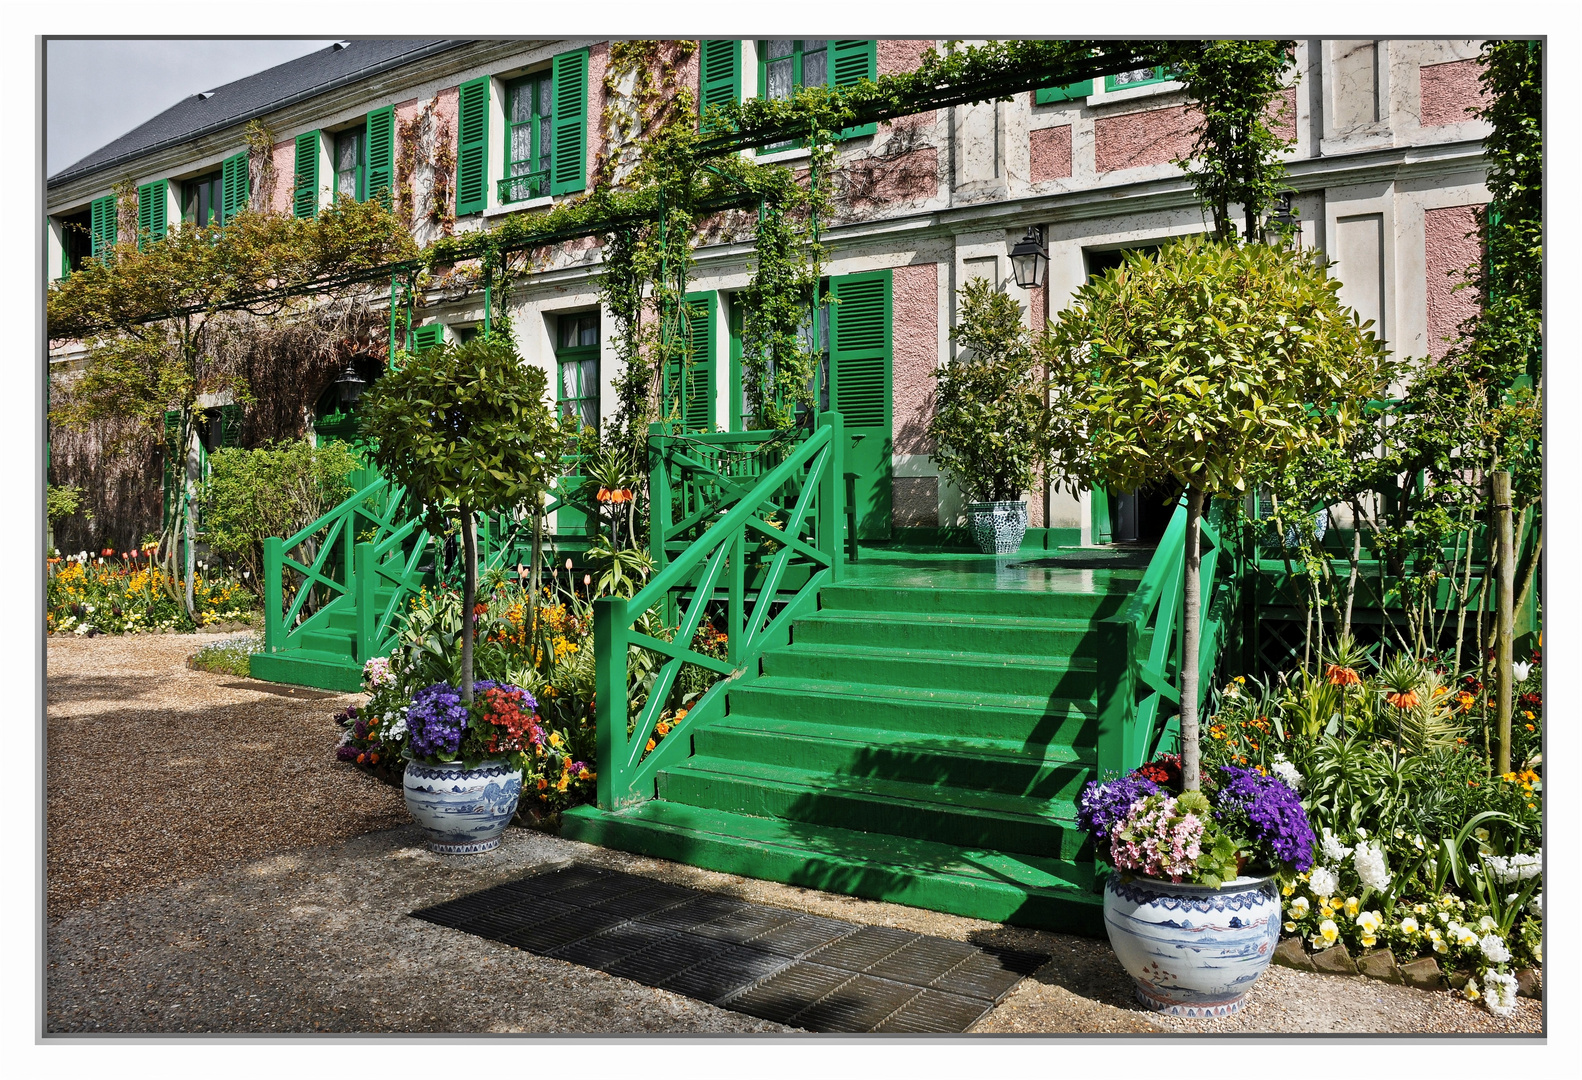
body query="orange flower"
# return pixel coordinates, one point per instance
(1342, 676)
(1406, 700)
(650, 746)
(542, 783)
(603, 495)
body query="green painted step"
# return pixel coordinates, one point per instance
(307, 667)
(949, 815)
(1024, 718)
(978, 883)
(1073, 678)
(331, 641)
(964, 633)
(997, 765)
(945, 600)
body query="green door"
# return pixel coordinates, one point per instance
(859, 389)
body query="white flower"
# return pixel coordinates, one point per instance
(1494, 948)
(1465, 935)
(1515, 868)
(1333, 848)
(1369, 860)
(1487, 923)
(1535, 906)
(1370, 922)
(1298, 907)
(1521, 670)
(81, 630)
(1499, 992)
(396, 730)
(1287, 772)
(1324, 881)
(1328, 933)
(1409, 925)
(1470, 991)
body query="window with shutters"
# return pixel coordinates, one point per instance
(351, 163)
(1049, 95)
(1125, 80)
(689, 383)
(76, 240)
(787, 64)
(577, 354)
(472, 146)
(569, 127)
(305, 176)
(201, 199)
(529, 137)
(720, 73)
(813, 336)
(103, 226)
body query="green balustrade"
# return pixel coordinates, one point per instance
(750, 519)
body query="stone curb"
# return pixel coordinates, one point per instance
(1422, 972)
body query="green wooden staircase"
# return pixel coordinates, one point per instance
(921, 738)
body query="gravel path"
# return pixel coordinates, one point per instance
(244, 899)
(157, 773)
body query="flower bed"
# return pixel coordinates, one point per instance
(1423, 851)
(103, 595)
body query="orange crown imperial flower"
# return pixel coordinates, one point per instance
(1402, 700)
(1342, 676)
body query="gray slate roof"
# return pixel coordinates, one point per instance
(240, 101)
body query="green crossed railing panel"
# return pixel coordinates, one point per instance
(734, 501)
(1140, 685)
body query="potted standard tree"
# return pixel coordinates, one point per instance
(1213, 364)
(465, 429)
(989, 420)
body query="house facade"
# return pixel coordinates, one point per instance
(1386, 168)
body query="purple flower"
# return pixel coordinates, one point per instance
(1103, 806)
(436, 720)
(1266, 813)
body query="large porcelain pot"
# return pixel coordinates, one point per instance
(1192, 950)
(997, 527)
(463, 811)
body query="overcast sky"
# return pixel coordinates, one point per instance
(98, 90)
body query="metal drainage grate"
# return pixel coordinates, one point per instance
(803, 970)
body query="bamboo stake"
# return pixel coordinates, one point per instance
(1503, 674)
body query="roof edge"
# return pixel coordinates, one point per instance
(71, 173)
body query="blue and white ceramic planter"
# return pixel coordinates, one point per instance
(1192, 950)
(997, 527)
(464, 811)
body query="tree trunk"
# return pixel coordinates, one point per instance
(1191, 602)
(189, 479)
(1356, 564)
(469, 593)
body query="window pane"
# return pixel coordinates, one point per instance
(568, 332)
(546, 100)
(814, 69)
(570, 382)
(521, 107)
(780, 79)
(544, 143)
(778, 47)
(588, 330)
(521, 149)
(1141, 75)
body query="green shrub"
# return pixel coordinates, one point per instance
(275, 490)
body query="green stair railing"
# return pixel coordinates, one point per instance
(323, 558)
(373, 548)
(736, 515)
(1141, 648)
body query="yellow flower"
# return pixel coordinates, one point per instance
(1368, 941)
(1290, 927)
(1352, 905)
(1287, 890)
(1409, 925)
(1328, 933)
(1298, 907)
(1470, 991)
(554, 738)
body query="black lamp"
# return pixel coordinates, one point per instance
(1028, 258)
(349, 386)
(1283, 222)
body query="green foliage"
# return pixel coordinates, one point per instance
(1211, 364)
(61, 501)
(1236, 158)
(231, 656)
(276, 490)
(990, 418)
(465, 427)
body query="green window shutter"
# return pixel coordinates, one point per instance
(230, 425)
(689, 393)
(427, 337)
(720, 74)
(1048, 95)
(381, 154)
(305, 193)
(234, 186)
(152, 206)
(102, 226)
(860, 350)
(850, 62)
(568, 160)
(472, 150)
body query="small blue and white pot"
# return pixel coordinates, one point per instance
(463, 811)
(997, 527)
(1192, 950)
